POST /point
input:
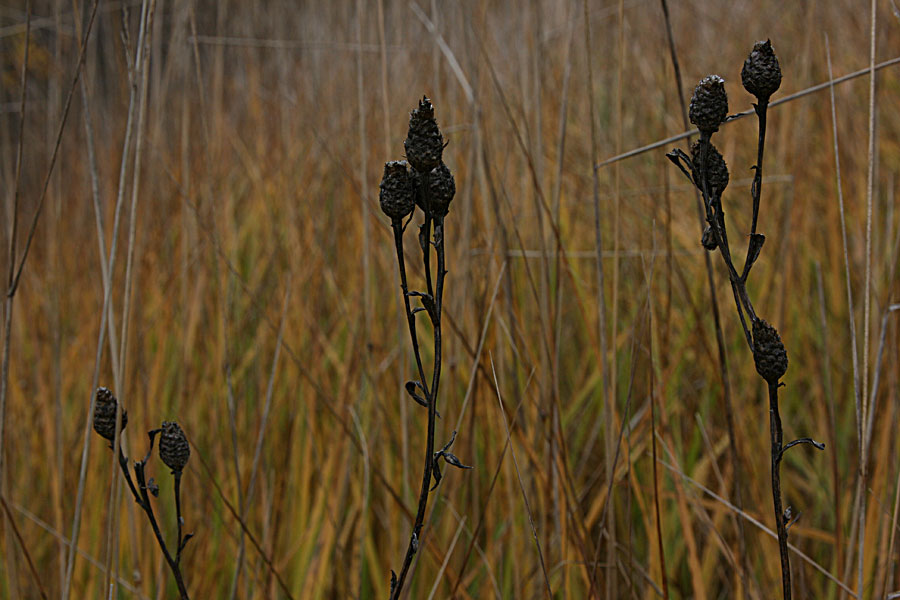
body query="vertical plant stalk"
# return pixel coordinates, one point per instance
(13, 219)
(717, 324)
(430, 186)
(606, 405)
(435, 291)
(144, 503)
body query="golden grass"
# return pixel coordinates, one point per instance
(252, 188)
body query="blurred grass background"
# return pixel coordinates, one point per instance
(263, 306)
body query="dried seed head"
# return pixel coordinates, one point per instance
(768, 352)
(398, 192)
(173, 446)
(441, 188)
(105, 414)
(424, 143)
(716, 169)
(709, 104)
(709, 240)
(761, 74)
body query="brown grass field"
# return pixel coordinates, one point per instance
(254, 297)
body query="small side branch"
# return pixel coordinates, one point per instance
(806, 440)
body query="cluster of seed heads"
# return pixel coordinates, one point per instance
(174, 449)
(761, 76)
(422, 179)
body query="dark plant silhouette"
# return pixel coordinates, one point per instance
(706, 169)
(424, 181)
(174, 452)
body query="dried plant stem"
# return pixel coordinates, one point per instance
(761, 109)
(435, 291)
(404, 287)
(178, 517)
(761, 78)
(777, 437)
(144, 502)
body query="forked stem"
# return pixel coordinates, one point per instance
(436, 294)
(142, 497)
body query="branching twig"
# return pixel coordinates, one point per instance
(706, 168)
(109, 421)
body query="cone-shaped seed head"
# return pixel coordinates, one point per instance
(761, 74)
(442, 188)
(716, 169)
(173, 446)
(709, 104)
(424, 143)
(397, 195)
(105, 414)
(768, 352)
(709, 240)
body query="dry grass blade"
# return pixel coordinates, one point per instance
(867, 306)
(101, 568)
(857, 387)
(13, 220)
(717, 324)
(761, 527)
(512, 450)
(28, 559)
(59, 132)
(234, 513)
(437, 580)
(446, 51)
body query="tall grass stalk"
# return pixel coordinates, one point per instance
(717, 323)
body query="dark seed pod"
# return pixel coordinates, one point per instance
(716, 169)
(709, 104)
(397, 190)
(768, 352)
(105, 414)
(761, 74)
(173, 446)
(709, 240)
(441, 188)
(424, 143)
